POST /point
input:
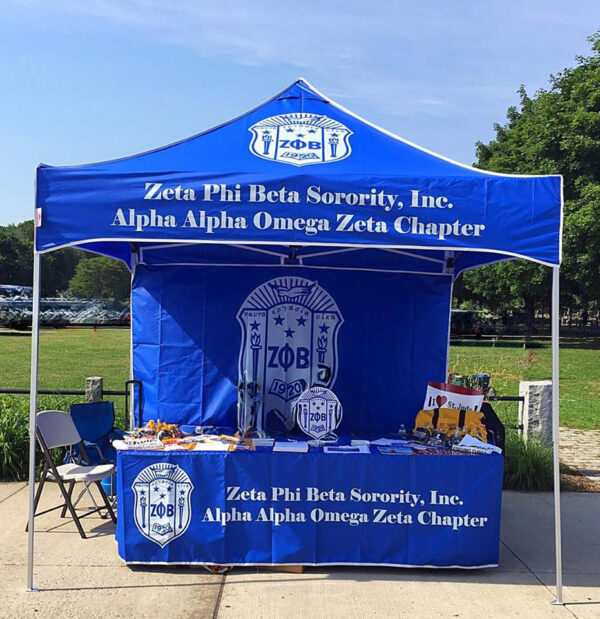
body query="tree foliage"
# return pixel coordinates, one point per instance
(557, 131)
(100, 278)
(16, 260)
(16, 255)
(58, 267)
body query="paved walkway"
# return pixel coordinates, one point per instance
(81, 578)
(580, 449)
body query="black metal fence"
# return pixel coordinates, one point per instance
(131, 385)
(131, 388)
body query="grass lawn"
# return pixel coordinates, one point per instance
(68, 356)
(579, 377)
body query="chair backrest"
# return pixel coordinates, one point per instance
(57, 429)
(93, 420)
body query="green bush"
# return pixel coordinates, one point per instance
(527, 464)
(14, 434)
(14, 439)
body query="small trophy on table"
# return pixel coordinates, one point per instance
(250, 414)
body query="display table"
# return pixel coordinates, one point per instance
(264, 507)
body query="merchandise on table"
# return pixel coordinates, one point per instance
(159, 435)
(446, 425)
(438, 431)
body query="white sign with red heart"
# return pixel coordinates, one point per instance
(446, 395)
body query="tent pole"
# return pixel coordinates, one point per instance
(555, 428)
(35, 345)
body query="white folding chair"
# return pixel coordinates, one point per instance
(56, 429)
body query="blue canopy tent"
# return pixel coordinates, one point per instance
(296, 202)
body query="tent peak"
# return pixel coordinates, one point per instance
(301, 88)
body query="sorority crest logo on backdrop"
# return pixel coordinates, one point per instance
(162, 502)
(289, 341)
(300, 139)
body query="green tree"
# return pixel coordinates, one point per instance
(557, 131)
(100, 278)
(16, 260)
(15, 256)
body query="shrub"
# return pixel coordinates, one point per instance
(14, 439)
(527, 464)
(14, 434)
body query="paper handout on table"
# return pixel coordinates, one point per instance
(212, 446)
(346, 449)
(263, 442)
(389, 441)
(395, 450)
(300, 447)
(471, 441)
(145, 443)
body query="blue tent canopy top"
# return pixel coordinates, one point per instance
(302, 171)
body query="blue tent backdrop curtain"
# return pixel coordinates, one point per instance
(187, 342)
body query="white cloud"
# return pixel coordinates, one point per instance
(383, 51)
(397, 58)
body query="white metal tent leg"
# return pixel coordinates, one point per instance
(555, 429)
(33, 389)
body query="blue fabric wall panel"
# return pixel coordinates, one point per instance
(393, 339)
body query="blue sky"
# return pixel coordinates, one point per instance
(90, 80)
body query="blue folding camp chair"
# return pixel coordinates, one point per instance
(95, 423)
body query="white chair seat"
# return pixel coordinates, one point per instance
(76, 472)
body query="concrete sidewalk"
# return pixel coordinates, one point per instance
(79, 578)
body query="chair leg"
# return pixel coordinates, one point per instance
(70, 507)
(106, 502)
(38, 494)
(80, 495)
(87, 487)
(63, 512)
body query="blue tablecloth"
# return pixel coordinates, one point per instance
(288, 508)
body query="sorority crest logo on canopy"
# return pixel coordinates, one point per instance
(300, 139)
(162, 502)
(318, 412)
(289, 341)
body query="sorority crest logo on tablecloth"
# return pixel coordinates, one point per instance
(289, 341)
(162, 502)
(300, 139)
(318, 412)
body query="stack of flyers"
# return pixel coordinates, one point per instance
(389, 441)
(263, 442)
(395, 450)
(346, 449)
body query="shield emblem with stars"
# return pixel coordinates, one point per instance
(162, 508)
(318, 412)
(289, 341)
(300, 139)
